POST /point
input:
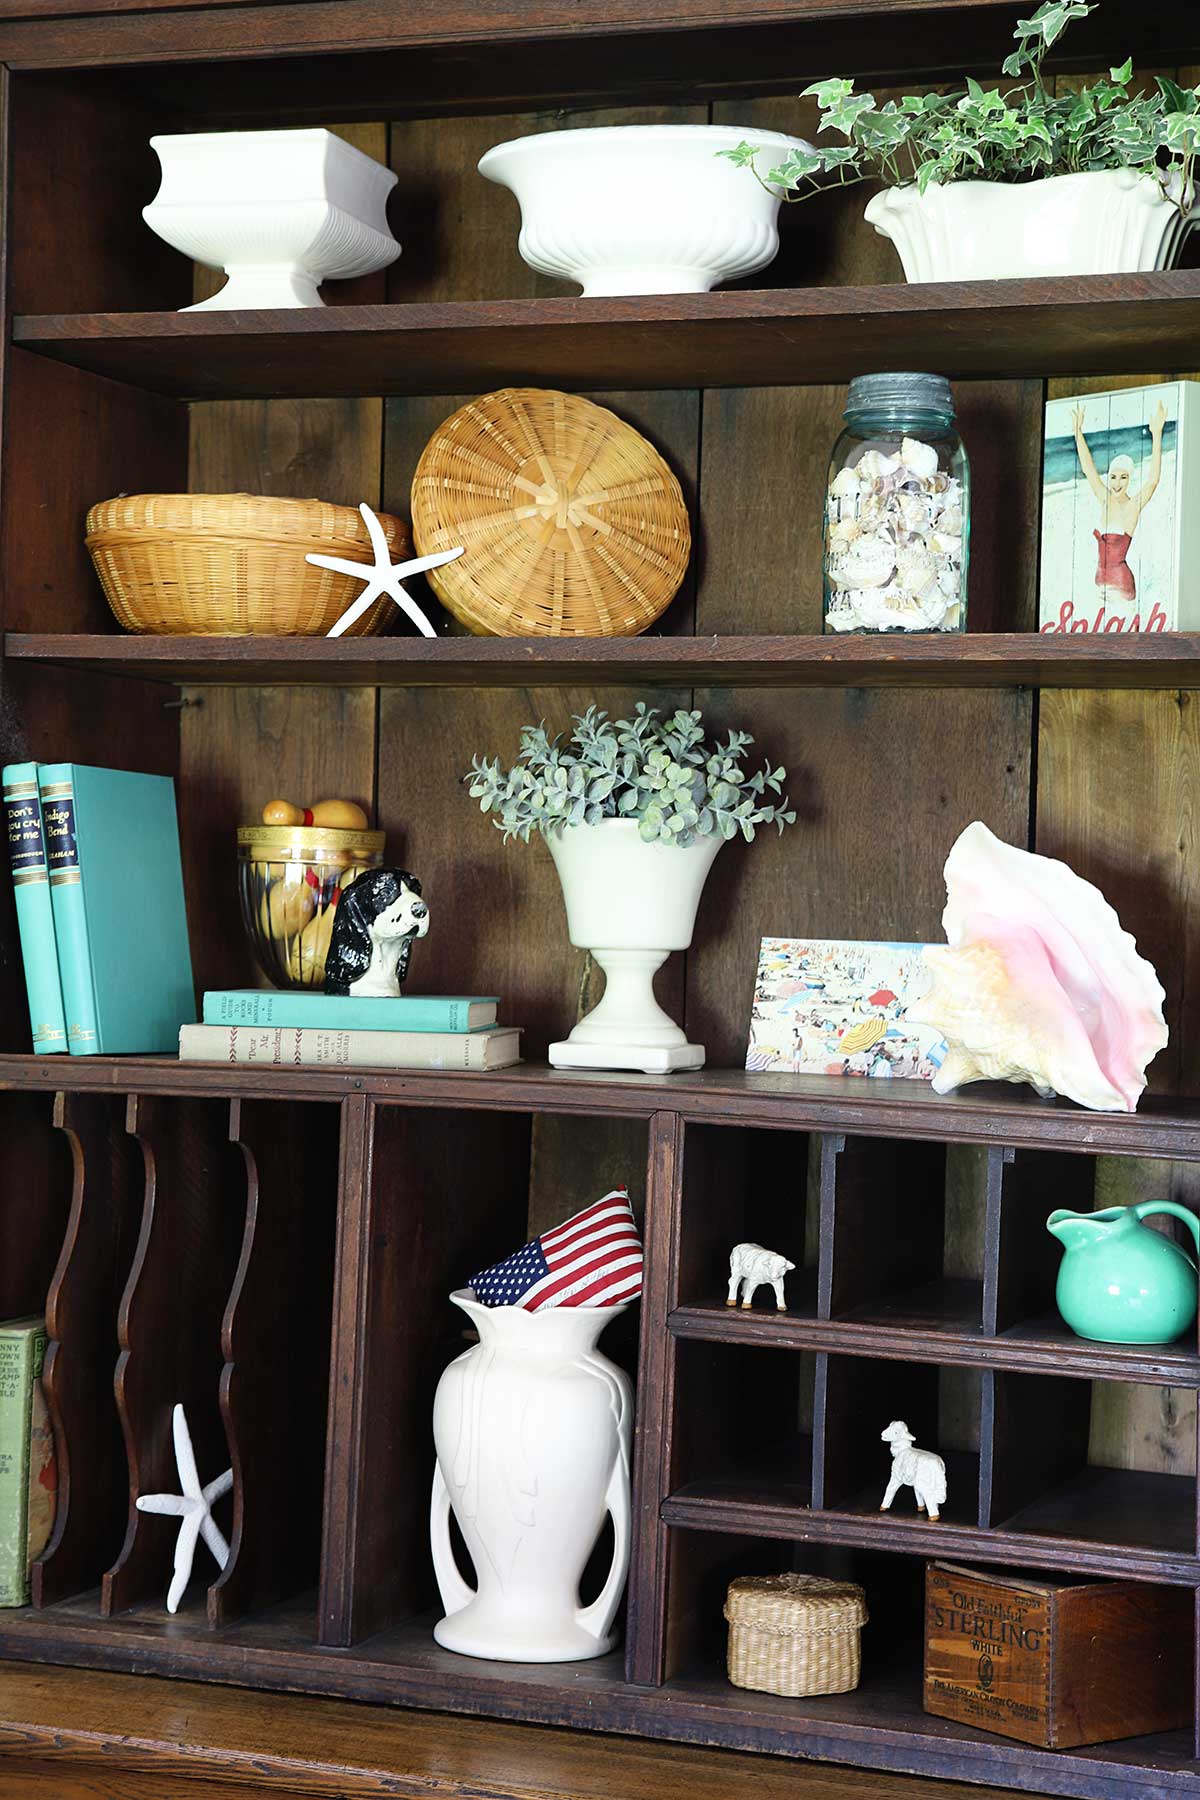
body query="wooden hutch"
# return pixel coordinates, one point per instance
(274, 1248)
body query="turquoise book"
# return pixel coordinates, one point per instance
(35, 915)
(337, 1012)
(116, 887)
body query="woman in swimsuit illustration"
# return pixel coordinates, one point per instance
(1119, 509)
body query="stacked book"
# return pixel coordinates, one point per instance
(28, 1469)
(422, 1031)
(99, 894)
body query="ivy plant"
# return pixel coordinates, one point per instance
(660, 772)
(1015, 131)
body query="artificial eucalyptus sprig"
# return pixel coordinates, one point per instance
(1010, 133)
(658, 772)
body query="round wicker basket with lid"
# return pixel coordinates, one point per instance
(233, 564)
(794, 1634)
(572, 524)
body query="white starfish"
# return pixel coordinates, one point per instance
(382, 577)
(193, 1509)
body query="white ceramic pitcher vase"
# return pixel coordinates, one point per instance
(532, 1429)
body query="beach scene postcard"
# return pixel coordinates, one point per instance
(837, 1006)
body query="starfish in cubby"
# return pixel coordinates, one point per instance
(193, 1509)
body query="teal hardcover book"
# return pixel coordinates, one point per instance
(35, 915)
(116, 885)
(337, 1012)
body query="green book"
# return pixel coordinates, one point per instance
(22, 1350)
(348, 1012)
(116, 885)
(35, 915)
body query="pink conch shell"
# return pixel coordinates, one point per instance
(1038, 982)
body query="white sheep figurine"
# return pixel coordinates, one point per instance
(920, 1470)
(753, 1267)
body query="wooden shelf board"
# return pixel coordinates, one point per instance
(780, 1476)
(978, 659)
(984, 1114)
(1085, 325)
(1111, 1506)
(1043, 1346)
(694, 1509)
(880, 1725)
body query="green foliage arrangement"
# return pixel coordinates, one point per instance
(657, 771)
(1010, 133)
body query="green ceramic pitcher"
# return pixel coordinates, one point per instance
(1121, 1283)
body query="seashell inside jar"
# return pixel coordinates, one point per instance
(897, 510)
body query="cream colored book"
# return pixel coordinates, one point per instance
(310, 1047)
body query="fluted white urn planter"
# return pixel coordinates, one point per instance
(1107, 222)
(532, 1429)
(279, 211)
(630, 903)
(642, 209)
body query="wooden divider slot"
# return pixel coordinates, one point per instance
(275, 1337)
(192, 1228)
(427, 1196)
(81, 1321)
(654, 1420)
(741, 1185)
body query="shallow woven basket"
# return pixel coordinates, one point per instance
(794, 1634)
(573, 525)
(221, 565)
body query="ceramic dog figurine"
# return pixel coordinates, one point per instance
(377, 918)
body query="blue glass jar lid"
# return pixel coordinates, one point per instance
(900, 393)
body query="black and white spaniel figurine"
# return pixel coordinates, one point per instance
(377, 918)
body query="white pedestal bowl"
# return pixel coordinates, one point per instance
(1105, 222)
(630, 904)
(642, 209)
(279, 211)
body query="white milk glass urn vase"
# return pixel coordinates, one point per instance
(279, 211)
(630, 903)
(532, 1430)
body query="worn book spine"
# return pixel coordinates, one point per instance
(57, 785)
(277, 1048)
(419, 1012)
(22, 1349)
(35, 914)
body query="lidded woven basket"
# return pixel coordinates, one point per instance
(572, 524)
(233, 564)
(795, 1634)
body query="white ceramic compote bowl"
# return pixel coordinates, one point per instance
(642, 209)
(279, 211)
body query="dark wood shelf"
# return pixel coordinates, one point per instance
(1104, 324)
(989, 1113)
(1046, 1542)
(882, 1724)
(1040, 1347)
(977, 659)
(1115, 1506)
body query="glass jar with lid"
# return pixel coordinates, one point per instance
(897, 510)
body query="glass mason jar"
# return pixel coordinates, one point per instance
(897, 510)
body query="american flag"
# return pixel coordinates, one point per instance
(594, 1259)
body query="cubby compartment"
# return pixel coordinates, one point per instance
(1097, 1462)
(702, 1564)
(743, 1425)
(431, 1195)
(758, 1187)
(906, 1235)
(858, 1397)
